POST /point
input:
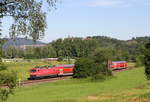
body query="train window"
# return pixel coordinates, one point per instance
(50, 67)
(68, 66)
(33, 70)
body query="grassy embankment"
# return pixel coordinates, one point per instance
(23, 68)
(127, 86)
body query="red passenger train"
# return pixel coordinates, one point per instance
(47, 71)
(118, 65)
(61, 70)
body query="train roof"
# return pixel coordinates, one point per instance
(119, 61)
(49, 66)
(44, 66)
(65, 65)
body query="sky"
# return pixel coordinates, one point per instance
(121, 19)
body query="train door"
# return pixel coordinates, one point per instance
(68, 68)
(53, 71)
(60, 71)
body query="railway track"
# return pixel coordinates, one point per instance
(120, 70)
(39, 81)
(124, 69)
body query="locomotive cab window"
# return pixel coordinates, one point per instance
(69, 66)
(33, 70)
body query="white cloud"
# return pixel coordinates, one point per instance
(117, 3)
(105, 3)
(96, 3)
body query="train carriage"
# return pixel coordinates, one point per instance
(62, 70)
(118, 65)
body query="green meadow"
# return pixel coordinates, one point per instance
(23, 68)
(126, 86)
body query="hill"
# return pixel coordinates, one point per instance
(75, 47)
(82, 47)
(21, 42)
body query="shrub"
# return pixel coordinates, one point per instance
(8, 79)
(84, 67)
(94, 66)
(139, 60)
(102, 55)
(98, 77)
(101, 72)
(147, 60)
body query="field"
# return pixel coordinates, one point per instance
(127, 86)
(23, 68)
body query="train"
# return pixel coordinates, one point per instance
(62, 70)
(50, 71)
(116, 65)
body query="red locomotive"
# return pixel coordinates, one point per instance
(118, 65)
(46, 71)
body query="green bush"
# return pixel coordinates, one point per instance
(101, 72)
(84, 67)
(98, 77)
(102, 55)
(94, 66)
(8, 79)
(139, 61)
(147, 60)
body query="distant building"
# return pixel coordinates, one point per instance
(12, 60)
(88, 38)
(22, 43)
(50, 59)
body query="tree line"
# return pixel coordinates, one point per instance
(130, 50)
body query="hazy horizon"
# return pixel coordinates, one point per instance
(81, 37)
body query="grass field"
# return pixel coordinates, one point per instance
(127, 86)
(23, 68)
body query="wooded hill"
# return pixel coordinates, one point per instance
(75, 47)
(79, 47)
(18, 42)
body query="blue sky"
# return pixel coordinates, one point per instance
(122, 19)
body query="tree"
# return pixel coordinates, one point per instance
(84, 67)
(0, 26)
(11, 52)
(29, 20)
(101, 56)
(139, 60)
(147, 60)
(48, 52)
(9, 79)
(95, 66)
(29, 53)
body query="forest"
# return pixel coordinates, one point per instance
(75, 47)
